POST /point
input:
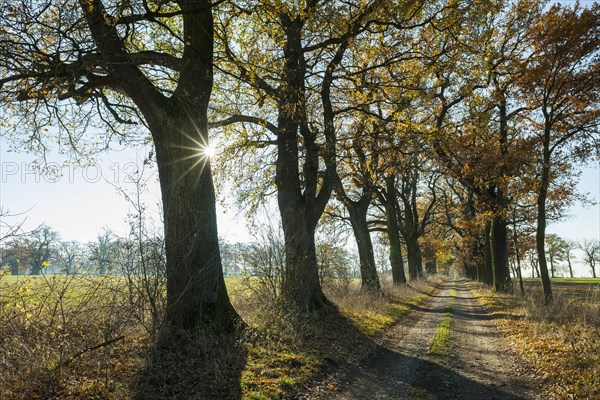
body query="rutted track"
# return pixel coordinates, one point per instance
(477, 365)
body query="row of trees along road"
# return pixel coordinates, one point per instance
(428, 117)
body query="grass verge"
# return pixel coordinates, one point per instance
(559, 343)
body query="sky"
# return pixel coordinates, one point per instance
(83, 201)
(80, 201)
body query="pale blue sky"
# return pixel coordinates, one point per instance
(84, 200)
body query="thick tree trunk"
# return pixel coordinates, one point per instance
(540, 234)
(300, 283)
(499, 250)
(196, 293)
(396, 261)
(368, 268)
(398, 276)
(415, 260)
(300, 286)
(471, 254)
(14, 268)
(36, 269)
(469, 266)
(470, 270)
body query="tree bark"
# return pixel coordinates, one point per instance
(540, 236)
(498, 244)
(518, 256)
(299, 211)
(196, 293)
(415, 260)
(487, 275)
(300, 286)
(537, 270)
(570, 266)
(368, 268)
(472, 252)
(413, 225)
(398, 276)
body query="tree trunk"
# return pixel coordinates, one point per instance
(499, 250)
(473, 249)
(487, 270)
(398, 276)
(368, 268)
(469, 256)
(570, 266)
(540, 234)
(196, 293)
(415, 261)
(36, 269)
(517, 255)
(431, 267)
(396, 260)
(300, 285)
(551, 265)
(14, 268)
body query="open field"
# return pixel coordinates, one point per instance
(590, 281)
(586, 290)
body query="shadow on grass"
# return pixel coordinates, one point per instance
(327, 337)
(203, 367)
(281, 356)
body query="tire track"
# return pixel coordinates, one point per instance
(477, 366)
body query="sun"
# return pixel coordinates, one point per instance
(208, 151)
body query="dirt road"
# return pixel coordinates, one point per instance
(473, 362)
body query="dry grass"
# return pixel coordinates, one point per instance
(65, 337)
(85, 338)
(560, 342)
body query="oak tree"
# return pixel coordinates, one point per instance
(114, 64)
(561, 85)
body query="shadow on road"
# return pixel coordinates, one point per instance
(388, 374)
